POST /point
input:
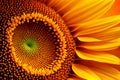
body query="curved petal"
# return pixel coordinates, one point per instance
(108, 35)
(74, 78)
(115, 9)
(103, 57)
(60, 4)
(86, 10)
(96, 26)
(73, 11)
(115, 52)
(116, 67)
(84, 72)
(88, 39)
(103, 76)
(101, 46)
(109, 71)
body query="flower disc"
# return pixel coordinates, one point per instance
(37, 43)
(34, 44)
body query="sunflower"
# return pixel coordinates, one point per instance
(60, 39)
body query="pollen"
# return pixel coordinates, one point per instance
(36, 42)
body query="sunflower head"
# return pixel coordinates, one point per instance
(60, 39)
(38, 40)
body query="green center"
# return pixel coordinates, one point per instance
(30, 45)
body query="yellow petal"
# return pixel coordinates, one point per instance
(101, 46)
(95, 26)
(86, 10)
(109, 71)
(103, 76)
(115, 10)
(88, 39)
(84, 72)
(73, 78)
(103, 57)
(61, 6)
(115, 51)
(109, 34)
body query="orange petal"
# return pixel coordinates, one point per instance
(115, 52)
(110, 34)
(106, 35)
(61, 6)
(103, 57)
(95, 26)
(109, 71)
(115, 9)
(88, 39)
(101, 46)
(73, 78)
(84, 72)
(86, 10)
(103, 76)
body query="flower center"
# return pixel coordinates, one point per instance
(30, 45)
(35, 44)
(40, 42)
